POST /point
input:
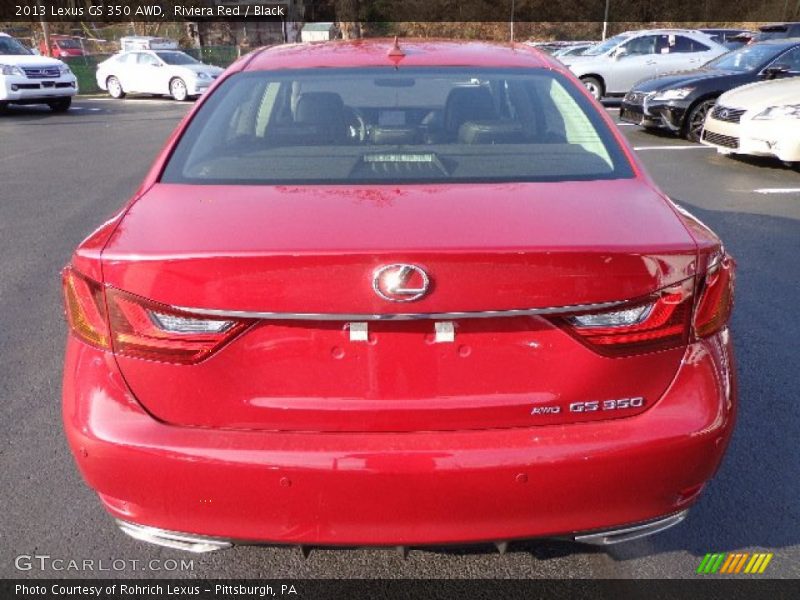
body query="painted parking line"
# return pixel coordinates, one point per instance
(777, 191)
(692, 147)
(138, 101)
(86, 108)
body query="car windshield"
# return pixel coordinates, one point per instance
(387, 125)
(11, 47)
(572, 51)
(606, 46)
(746, 59)
(177, 58)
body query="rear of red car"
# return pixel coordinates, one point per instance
(62, 47)
(424, 302)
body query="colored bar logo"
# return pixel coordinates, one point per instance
(735, 563)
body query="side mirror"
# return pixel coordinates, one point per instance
(620, 52)
(773, 71)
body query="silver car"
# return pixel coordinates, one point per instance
(160, 72)
(612, 67)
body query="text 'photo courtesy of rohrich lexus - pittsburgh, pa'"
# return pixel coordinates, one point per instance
(400, 294)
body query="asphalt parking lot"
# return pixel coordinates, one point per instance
(62, 175)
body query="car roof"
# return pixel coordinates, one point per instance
(663, 30)
(734, 30)
(375, 53)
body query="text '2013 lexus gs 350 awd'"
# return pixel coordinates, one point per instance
(398, 294)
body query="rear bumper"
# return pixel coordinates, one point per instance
(200, 544)
(399, 488)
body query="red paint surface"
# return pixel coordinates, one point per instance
(293, 433)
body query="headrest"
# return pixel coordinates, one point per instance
(318, 107)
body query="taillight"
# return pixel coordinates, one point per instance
(86, 308)
(133, 326)
(658, 322)
(145, 329)
(663, 320)
(715, 302)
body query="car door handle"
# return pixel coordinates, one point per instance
(650, 62)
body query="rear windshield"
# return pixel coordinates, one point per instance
(74, 44)
(396, 125)
(176, 58)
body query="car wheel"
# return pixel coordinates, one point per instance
(693, 128)
(177, 89)
(60, 105)
(595, 86)
(3, 107)
(114, 87)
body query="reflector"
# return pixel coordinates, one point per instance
(716, 298)
(85, 308)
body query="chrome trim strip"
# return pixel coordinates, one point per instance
(615, 536)
(447, 316)
(173, 539)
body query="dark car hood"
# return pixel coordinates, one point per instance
(721, 79)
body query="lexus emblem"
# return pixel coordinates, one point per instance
(724, 113)
(400, 283)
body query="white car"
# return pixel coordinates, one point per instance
(761, 119)
(26, 78)
(611, 68)
(160, 72)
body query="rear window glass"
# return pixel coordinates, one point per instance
(396, 125)
(176, 58)
(74, 44)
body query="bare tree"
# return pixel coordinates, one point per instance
(347, 12)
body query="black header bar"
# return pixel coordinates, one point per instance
(384, 11)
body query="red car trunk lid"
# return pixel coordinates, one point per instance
(314, 250)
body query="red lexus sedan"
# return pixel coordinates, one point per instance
(398, 294)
